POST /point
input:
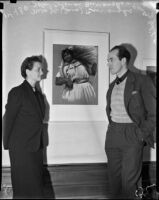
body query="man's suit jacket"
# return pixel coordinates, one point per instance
(23, 119)
(140, 104)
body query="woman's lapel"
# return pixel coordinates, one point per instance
(32, 98)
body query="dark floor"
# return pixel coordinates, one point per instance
(7, 194)
(80, 181)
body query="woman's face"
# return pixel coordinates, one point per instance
(35, 73)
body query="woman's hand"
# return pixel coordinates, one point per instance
(62, 80)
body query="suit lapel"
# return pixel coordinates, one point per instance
(129, 87)
(109, 98)
(32, 98)
(42, 106)
(110, 92)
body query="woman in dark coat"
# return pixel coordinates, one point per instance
(23, 132)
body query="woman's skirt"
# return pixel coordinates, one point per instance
(27, 174)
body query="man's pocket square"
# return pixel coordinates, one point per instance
(134, 92)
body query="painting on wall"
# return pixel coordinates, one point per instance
(75, 77)
(77, 72)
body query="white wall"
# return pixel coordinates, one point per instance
(70, 142)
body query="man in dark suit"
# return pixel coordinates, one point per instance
(23, 132)
(131, 111)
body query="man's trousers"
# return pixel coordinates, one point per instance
(124, 152)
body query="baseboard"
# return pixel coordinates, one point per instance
(81, 180)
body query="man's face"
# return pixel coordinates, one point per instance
(36, 72)
(114, 64)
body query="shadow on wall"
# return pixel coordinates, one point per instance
(133, 53)
(48, 185)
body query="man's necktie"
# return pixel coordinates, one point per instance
(119, 80)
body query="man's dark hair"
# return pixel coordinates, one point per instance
(28, 64)
(122, 52)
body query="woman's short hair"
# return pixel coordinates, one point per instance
(28, 64)
(122, 52)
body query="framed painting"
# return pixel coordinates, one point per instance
(78, 76)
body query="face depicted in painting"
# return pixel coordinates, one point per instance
(67, 55)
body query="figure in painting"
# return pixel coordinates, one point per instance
(77, 65)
